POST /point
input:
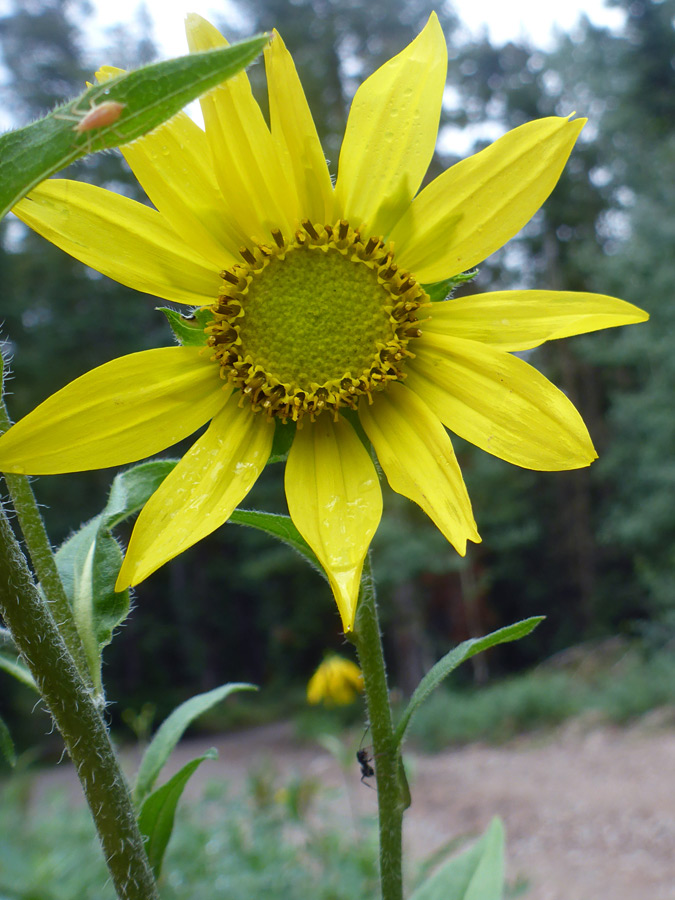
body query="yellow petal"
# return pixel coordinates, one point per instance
(499, 403)
(520, 320)
(120, 412)
(121, 238)
(173, 165)
(335, 501)
(337, 680)
(201, 492)
(476, 206)
(391, 133)
(295, 136)
(316, 688)
(247, 166)
(416, 455)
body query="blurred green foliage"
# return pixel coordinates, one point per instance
(259, 843)
(593, 550)
(495, 713)
(633, 685)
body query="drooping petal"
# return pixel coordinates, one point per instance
(391, 133)
(336, 681)
(173, 165)
(121, 238)
(246, 162)
(201, 492)
(295, 136)
(476, 206)
(520, 320)
(335, 501)
(120, 412)
(417, 457)
(499, 403)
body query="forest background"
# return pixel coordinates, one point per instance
(593, 550)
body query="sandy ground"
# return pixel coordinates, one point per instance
(589, 813)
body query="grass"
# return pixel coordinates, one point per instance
(275, 841)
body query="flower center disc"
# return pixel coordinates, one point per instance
(311, 325)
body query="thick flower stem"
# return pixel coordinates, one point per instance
(79, 720)
(391, 804)
(42, 557)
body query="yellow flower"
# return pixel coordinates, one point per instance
(336, 682)
(318, 314)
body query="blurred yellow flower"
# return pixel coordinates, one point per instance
(337, 682)
(317, 313)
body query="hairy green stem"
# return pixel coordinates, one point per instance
(42, 557)
(78, 718)
(390, 800)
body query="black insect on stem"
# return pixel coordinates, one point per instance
(364, 760)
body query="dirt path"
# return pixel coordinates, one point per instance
(589, 816)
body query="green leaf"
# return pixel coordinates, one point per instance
(284, 432)
(158, 812)
(13, 666)
(188, 330)
(149, 95)
(403, 786)
(88, 563)
(280, 527)
(443, 290)
(10, 660)
(454, 658)
(7, 744)
(90, 560)
(132, 489)
(170, 732)
(477, 874)
(6, 640)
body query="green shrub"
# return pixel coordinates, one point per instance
(618, 686)
(645, 684)
(496, 712)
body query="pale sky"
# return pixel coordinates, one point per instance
(503, 19)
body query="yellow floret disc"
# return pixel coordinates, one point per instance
(311, 325)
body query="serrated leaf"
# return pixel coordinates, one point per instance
(171, 731)
(477, 874)
(90, 560)
(442, 290)
(150, 95)
(7, 744)
(188, 330)
(13, 666)
(456, 657)
(158, 812)
(278, 526)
